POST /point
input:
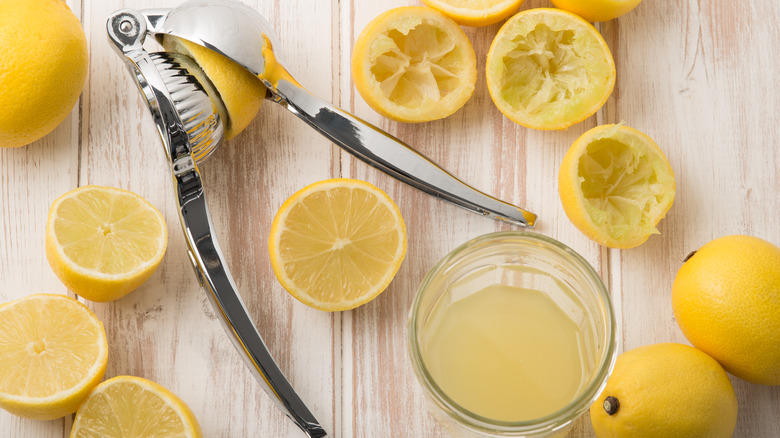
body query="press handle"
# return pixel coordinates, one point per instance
(392, 156)
(215, 278)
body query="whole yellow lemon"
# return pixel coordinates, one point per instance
(665, 390)
(43, 66)
(597, 10)
(726, 299)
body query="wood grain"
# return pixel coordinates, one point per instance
(31, 178)
(684, 78)
(693, 75)
(482, 147)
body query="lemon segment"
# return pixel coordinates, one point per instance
(414, 64)
(615, 185)
(337, 244)
(43, 68)
(53, 351)
(549, 69)
(476, 13)
(597, 10)
(104, 242)
(132, 407)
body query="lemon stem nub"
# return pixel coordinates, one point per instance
(611, 405)
(688, 257)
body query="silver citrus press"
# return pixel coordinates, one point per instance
(183, 105)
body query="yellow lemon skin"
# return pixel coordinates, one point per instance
(476, 14)
(597, 10)
(726, 299)
(240, 92)
(43, 67)
(42, 349)
(666, 390)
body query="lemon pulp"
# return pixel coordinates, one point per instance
(414, 64)
(555, 55)
(108, 233)
(621, 187)
(549, 69)
(132, 407)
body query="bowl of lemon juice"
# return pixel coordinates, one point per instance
(512, 334)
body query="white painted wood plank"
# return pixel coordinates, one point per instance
(696, 76)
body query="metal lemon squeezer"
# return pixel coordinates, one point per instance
(184, 104)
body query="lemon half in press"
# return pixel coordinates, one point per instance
(549, 69)
(240, 92)
(615, 185)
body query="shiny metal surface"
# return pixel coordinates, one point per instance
(191, 101)
(243, 35)
(185, 119)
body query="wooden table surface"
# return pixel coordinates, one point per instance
(697, 76)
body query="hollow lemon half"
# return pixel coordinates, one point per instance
(549, 69)
(615, 185)
(414, 64)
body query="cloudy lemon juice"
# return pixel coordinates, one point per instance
(506, 353)
(511, 333)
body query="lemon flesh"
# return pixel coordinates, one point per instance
(616, 185)
(549, 69)
(476, 12)
(131, 407)
(622, 190)
(53, 351)
(337, 244)
(414, 64)
(103, 242)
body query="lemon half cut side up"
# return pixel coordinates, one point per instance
(414, 64)
(615, 185)
(549, 69)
